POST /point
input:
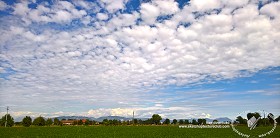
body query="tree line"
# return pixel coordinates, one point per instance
(154, 120)
(261, 122)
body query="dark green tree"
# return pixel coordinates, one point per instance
(87, 122)
(278, 120)
(141, 122)
(49, 122)
(105, 122)
(166, 121)
(201, 121)
(270, 117)
(181, 121)
(26, 121)
(18, 124)
(135, 121)
(80, 122)
(174, 121)
(110, 122)
(56, 122)
(93, 122)
(75, 122)
(256, 115)
(156, 119)
(39, 121)
(115, 122)
(194, 122)
(10, 120)
(215, 121)
(186, 121)
(241, 120)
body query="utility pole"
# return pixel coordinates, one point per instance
(133, 118)
(6, 116)
(264, 118)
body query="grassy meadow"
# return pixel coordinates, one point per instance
(128, 131)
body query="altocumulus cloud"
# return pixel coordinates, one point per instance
(109, 59)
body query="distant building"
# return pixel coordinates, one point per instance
(84, 121)
(71, 122)
(67, 122)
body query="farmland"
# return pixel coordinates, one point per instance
(124, 131)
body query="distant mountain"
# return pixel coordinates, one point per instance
(100, 119)
(223, 119)
(74, 117)
(220, 119)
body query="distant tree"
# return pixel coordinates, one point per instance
(249, 115)
(75, 122)
(166, 121)
(156, 118)
(115, 122)
(181, 121)
(49, 122)
(87, 122)
(105, 122)
(194, 122)
(10, 120)
(264, 122)
(215, 121)
(147, 122)
(26, 121)
(39, 121)
(56, 122)
(186, 121)
(201, 121)
(241, 120)
(140, 122)
(270, 116)
(128, 122)
(278, 120)
(135, 121)
(80, 122)
(92, 122)
(17, 124)
(174, 121)
(256, 115)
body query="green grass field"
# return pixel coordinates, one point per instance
(125, 131)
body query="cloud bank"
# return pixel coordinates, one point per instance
(84, 55)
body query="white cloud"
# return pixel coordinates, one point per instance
(102, 16)
(235, 3)
(271, 9)
(60, 12)
(205, 5)
(120, 64)
(149, 13)
(62, 16)
(167, 7)
(114, 5)
(182, 112)
(21, 9)
(3, 5)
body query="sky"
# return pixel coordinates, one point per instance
(179, 59)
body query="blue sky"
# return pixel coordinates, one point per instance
(179, 59)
